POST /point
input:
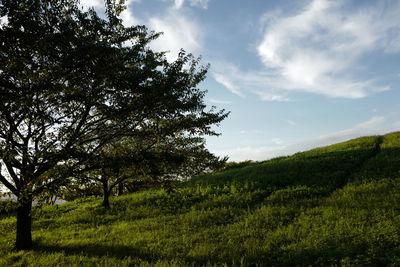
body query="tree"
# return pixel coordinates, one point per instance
(70, 85)
(165, 159)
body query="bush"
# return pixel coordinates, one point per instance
(7, 207)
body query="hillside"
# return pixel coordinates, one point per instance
(335, 205)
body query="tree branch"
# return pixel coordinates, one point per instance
(7, 183)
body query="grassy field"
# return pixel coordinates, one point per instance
(337, 205)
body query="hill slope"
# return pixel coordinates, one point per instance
(336, 205)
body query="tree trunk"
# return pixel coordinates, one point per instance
(120, 189)
(106, 195)
(24, 224)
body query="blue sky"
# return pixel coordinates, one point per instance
(294, 74)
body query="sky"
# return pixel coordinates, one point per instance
(294, 74)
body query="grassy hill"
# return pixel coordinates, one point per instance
(336, 205)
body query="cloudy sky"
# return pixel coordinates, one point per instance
(294, 74)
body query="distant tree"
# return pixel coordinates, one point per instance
(71, 83)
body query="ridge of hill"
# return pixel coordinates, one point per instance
(337, 205)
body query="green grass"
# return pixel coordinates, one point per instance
(330, 166)
(332, 206)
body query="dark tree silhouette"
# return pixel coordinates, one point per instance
(71, 83)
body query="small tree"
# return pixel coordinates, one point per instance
(70, 85)
(166, 159)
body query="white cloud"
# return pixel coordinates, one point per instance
(237, 81)
(97, 4)
(318, 50)
(271, 96)
(178, 4)
(220, 78)
(179, 32)
(128, 19)
(127, 16)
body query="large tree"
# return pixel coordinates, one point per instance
(71, 83)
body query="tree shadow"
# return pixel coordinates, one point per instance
(120, 252)
(98, 250)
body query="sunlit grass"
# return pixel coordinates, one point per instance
(337, 205)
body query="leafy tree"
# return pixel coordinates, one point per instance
(71, 83)
(115, 163)
(151, 159)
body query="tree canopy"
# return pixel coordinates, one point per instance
(72, 82)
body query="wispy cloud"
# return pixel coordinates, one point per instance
(227, 83)
(177, 4)
(319, 49)
(292, 123)
(179, 32)
(239, 82)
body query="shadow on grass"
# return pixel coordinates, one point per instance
(98, 250)
(119, 252)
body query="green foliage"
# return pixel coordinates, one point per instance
(7, 207)
(239, 221)
(73, 82)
